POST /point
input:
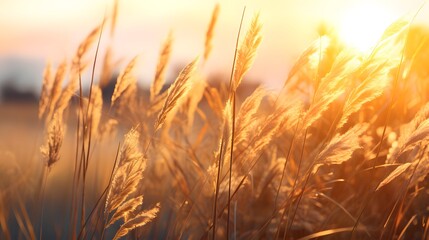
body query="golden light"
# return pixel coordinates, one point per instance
(361, 26)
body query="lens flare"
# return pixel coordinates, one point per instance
(361, 26)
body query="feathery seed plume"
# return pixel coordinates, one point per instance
(161, 67)
(176, 93)
(210, 32)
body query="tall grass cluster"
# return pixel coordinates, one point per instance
(340, 152)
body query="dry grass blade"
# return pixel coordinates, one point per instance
(95, 108)
(4, 226)
(415, 171)
(55, 135)
(161, 67)
(327, 233)
(407, 226)
(420, 135)
(210, 32)
(341, 147)
(125, 80)
(23, 220)
(420, 169)
(394, 174)
(139, 220)
(46, 89)
(176, 93)
(246, 52)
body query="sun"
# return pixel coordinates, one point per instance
(361, 26)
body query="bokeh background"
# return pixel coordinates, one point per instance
(35, 32)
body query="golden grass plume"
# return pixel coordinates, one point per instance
(161, 67)
(54, 140)
(127, 176)
(341, 147)
(177, 92)
(246, 51)
(125, 81)
(46, 89)
(210, 32)
(138, 220)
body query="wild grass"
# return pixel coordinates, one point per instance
(340, 152)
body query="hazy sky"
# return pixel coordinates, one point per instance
(50, 30)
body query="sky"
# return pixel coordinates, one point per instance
(34, 32)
